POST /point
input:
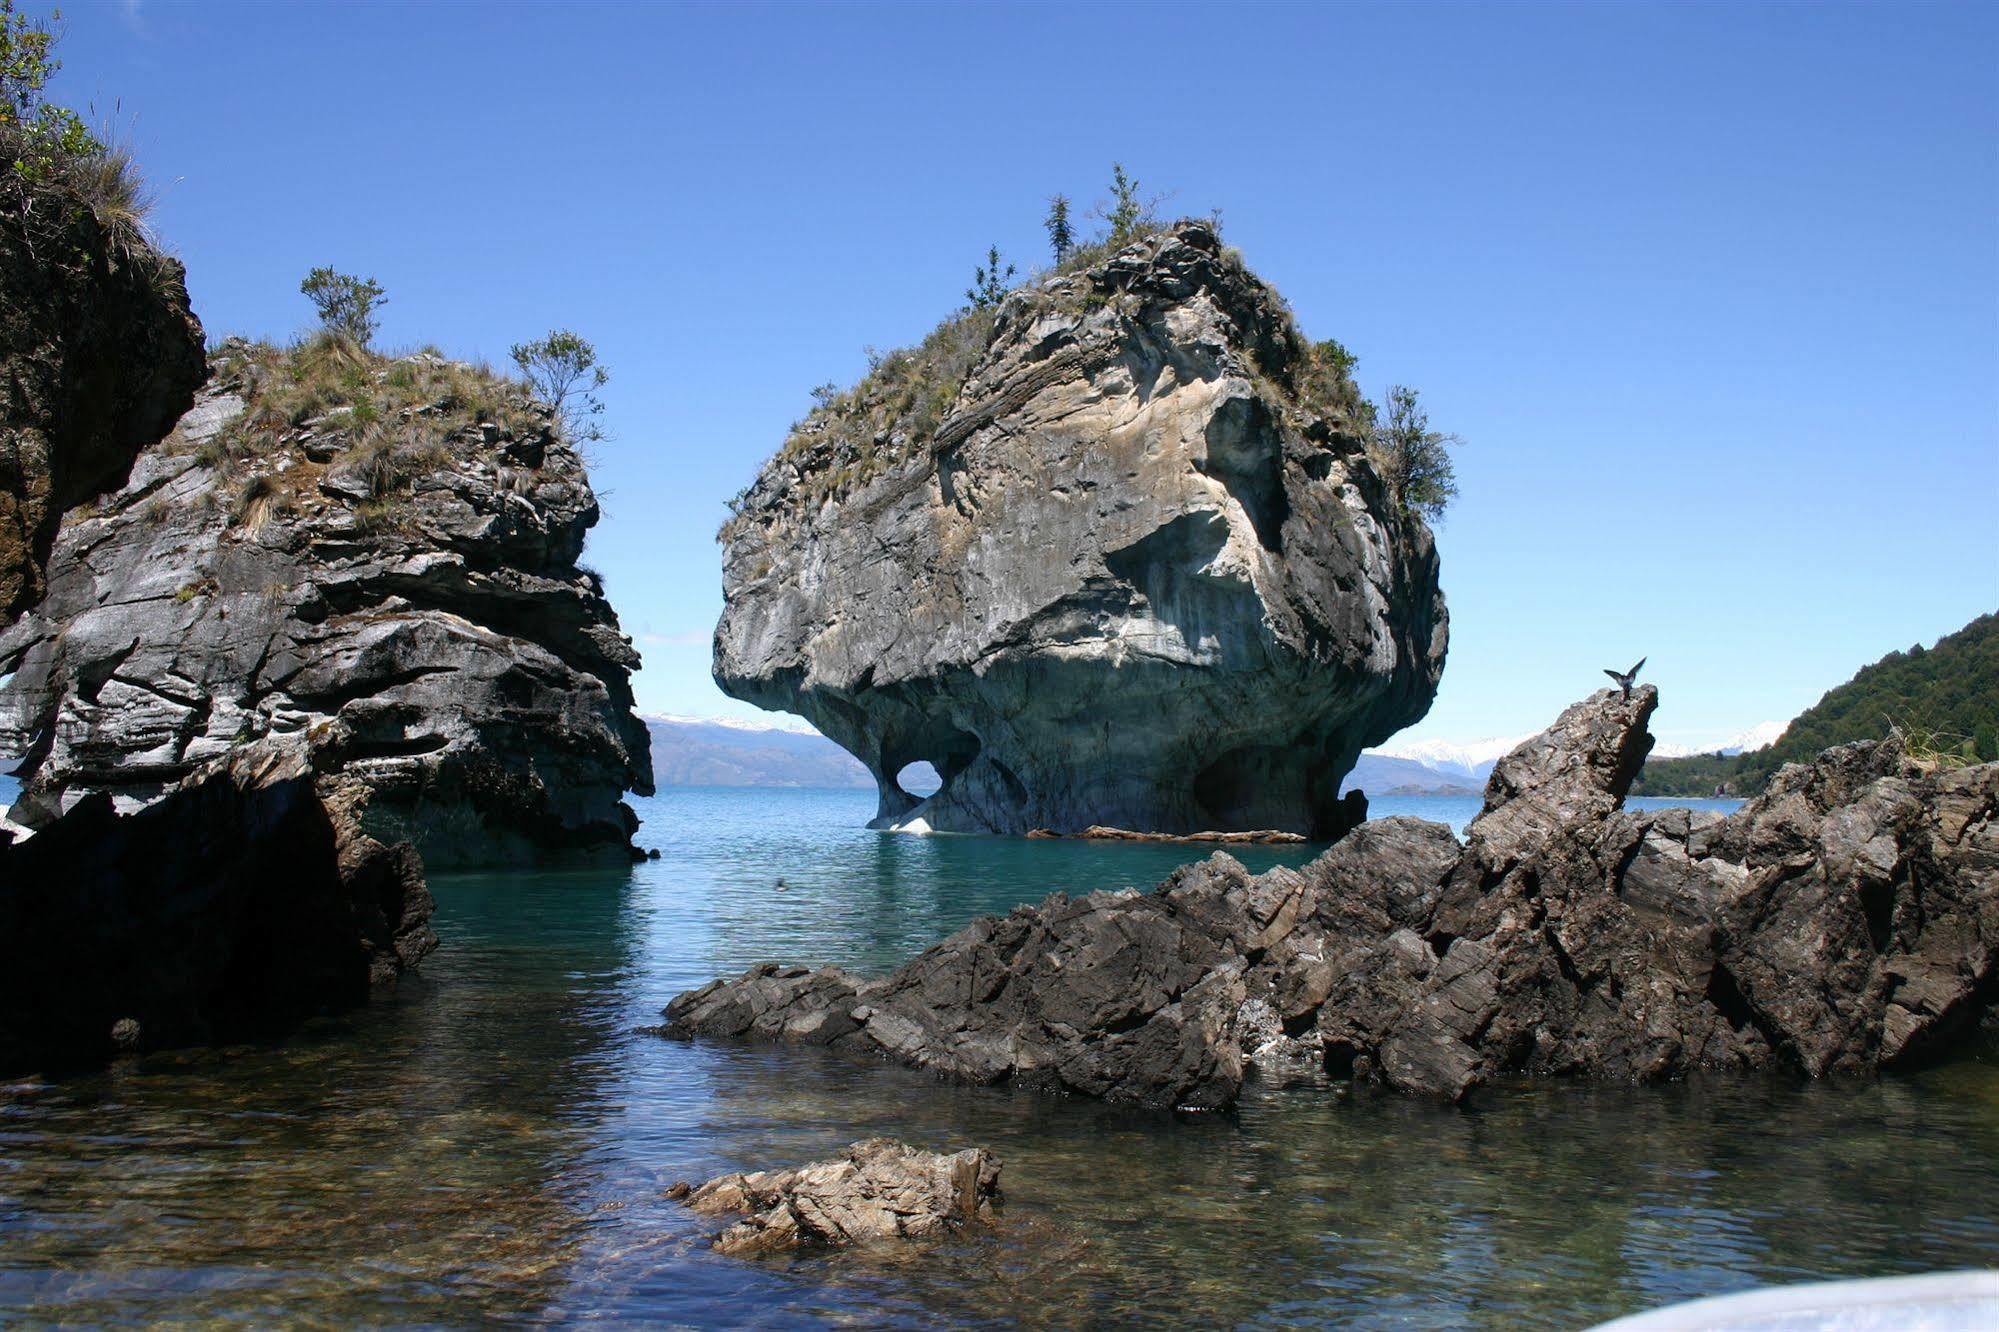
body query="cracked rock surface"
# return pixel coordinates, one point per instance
(1846, 920)
(405, 596)
(879, 1190)
(1132, 577)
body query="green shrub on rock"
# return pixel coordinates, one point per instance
(346, 303)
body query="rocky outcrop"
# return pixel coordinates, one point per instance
(1109, 556)
(880, 1190)
(1846, 920)
(378, 558)
(99, 355)
(243, 902)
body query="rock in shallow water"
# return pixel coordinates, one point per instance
(1135, 575)
(244, 901)
(880, 1190)
(1847, 919)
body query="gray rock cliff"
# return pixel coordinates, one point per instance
(99, 354)
(377, 558)
(1846, 920)
(1104, 556)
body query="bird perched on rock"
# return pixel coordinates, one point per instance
(1624, 678)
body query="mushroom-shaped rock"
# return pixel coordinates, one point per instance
(1113, 554)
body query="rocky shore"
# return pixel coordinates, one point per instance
(1112, 553)
(1846, 920)
(274, 625)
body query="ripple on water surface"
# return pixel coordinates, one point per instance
(493, 1142)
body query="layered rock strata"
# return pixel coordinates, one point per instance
(1846, 920)
(394, 580)
(243, 902)
(879, 1190)
(1103, 557)
(99, 355)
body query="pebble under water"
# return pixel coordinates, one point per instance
(493, 1142)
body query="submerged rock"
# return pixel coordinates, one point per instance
(99, 354)
(244, 901)
(1848, 919)
(880, 1190)
(1114, 555)
(379, 558)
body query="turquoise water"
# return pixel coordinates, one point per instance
(492, 1143)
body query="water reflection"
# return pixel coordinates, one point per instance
(494, 1143)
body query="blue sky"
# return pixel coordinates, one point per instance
(1711, 292)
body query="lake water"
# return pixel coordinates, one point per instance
(493, 1142)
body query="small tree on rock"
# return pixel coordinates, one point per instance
(563, 371)
(1126, 212)
(1061, 238)
(346, 304)
(988, 287)
(1415, 459)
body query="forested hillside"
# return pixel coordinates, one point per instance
(1944, 697)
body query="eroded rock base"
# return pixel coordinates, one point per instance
(242, 903)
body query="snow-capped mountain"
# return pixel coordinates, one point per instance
(1760, 736)
(778, 721)
(1471, 759)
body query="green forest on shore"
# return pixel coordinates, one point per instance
(1944, 700)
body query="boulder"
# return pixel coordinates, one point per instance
(407, 597)
(99, 355)
(1111, 555)
(1846, 920)
(880, 1190)
(241, 903)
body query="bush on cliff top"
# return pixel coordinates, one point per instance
(894, 412)
(46, 144)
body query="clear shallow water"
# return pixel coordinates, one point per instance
(493, 1142)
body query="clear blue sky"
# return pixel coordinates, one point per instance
(1712, 292)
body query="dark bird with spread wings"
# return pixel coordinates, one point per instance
(1624, 678)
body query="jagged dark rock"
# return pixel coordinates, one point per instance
(99, 355)
(1846, 920)
(1131, 573)
(879, 1190)
(244, 901)
(398, 585)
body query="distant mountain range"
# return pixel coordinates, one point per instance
(705, 751)
(712, 751)
(696, 751)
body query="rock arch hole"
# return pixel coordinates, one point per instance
(918, 779)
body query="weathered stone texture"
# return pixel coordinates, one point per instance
(1846, 920)
(99, 354)
(1133, 579)
(438, 644)
(880, 1190)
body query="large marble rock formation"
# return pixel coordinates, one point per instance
(242, 902)
(879, 1190)
(1116, 565)
(99, 354)
(398, 585)
(1846, 920)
